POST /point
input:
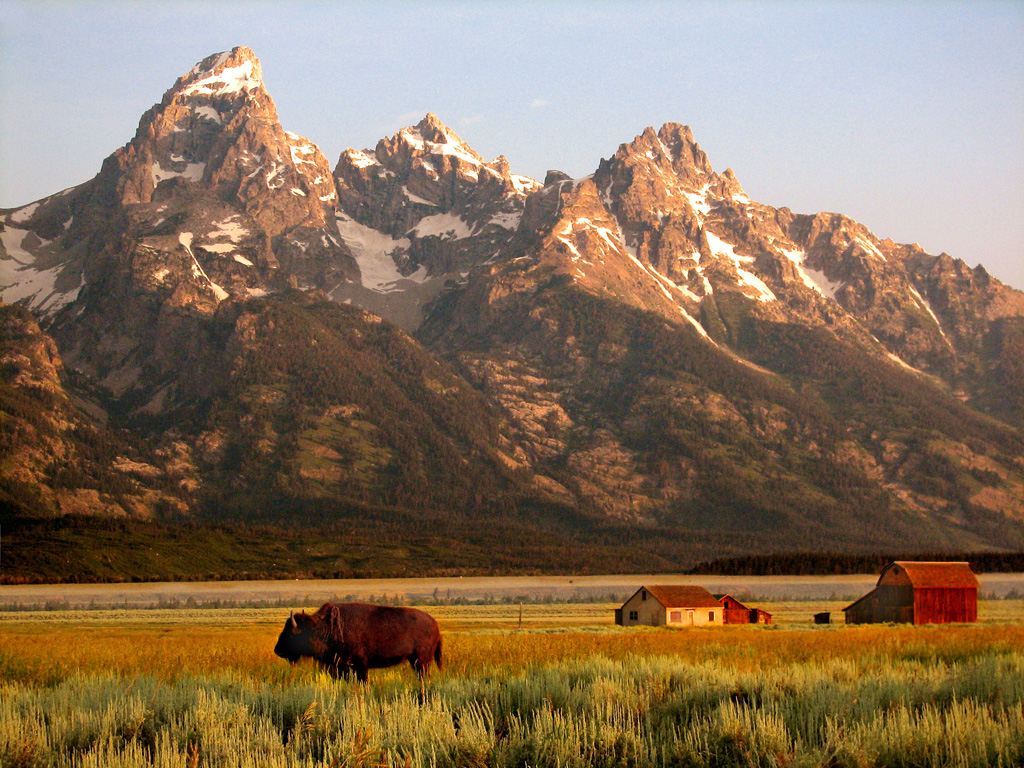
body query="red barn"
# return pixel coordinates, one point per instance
(737, 613)
(919, 593)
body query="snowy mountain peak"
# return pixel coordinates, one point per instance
(229, 72)
(432, 137)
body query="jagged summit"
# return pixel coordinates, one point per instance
(433, 136)
(419, 210)
(234, 71)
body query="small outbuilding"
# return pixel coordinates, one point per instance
(738, 613)
(919, 593)
(671, 606)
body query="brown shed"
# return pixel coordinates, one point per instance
(919, 593)
(738, 613)
(673, 606)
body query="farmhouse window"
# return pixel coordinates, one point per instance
(711, 615)
(634, 616)
(676, 616)
(643, 595)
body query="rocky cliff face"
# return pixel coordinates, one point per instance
(211, 201)
(58, 457)
(420, 211)
(646, 346)
(636, 420)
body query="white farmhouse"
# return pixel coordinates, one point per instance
(672, 606)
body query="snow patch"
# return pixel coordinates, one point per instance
(922, 302)
(230, 80)
(301, 148)
(361, 159)
(506, 220)
(374, 253)
(24, 214)
(208, 112)
(20, 281)
(721, 248)
(218, 247)
(446, 226)
(869, 246)
(230, 229)
(192, 172)
(699, 200)
(812, 278)
(416, 198)
(524, 185)
(185, 238)
(413, 137)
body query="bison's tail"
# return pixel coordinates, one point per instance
(437, 653)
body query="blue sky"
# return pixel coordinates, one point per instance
(908, 117)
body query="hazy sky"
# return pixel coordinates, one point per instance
(908, 117)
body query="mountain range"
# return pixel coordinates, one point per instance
(218, 326)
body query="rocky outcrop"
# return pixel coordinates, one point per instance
(419, 211)
(57, 456)
(211, 202)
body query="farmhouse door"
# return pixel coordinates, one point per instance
(689, 618)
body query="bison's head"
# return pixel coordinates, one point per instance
(296, 638)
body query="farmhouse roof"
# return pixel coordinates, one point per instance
(925, 575)
(683, 596)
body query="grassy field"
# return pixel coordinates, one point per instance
(202, 688)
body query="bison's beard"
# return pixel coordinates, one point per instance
(284, 653)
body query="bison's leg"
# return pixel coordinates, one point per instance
(416, 663)
(362, 673)
(420, 660)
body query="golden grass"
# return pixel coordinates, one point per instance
(203, 687)
(477, 640)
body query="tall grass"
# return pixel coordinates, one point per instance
(839, 697)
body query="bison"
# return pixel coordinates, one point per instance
(357, 637)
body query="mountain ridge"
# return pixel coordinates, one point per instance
(644, 346)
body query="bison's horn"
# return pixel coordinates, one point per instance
(291, 619)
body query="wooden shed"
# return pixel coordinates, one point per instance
(738, 613)
(672, 606)
(919, 593)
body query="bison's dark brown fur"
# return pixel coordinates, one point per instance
(357, 637)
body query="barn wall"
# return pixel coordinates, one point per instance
(737, 616)
(945, 605)
(884, 603)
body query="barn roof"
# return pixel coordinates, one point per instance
(683, 596)
(721, 599)
(927, 575)
(931, 575)
(860, 599)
